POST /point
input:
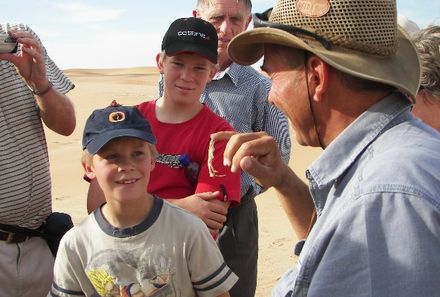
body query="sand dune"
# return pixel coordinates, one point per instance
(96, 88)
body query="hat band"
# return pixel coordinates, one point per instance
(262, 20)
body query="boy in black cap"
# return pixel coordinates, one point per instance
(183, 125)
(135, 244)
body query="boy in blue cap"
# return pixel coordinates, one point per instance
(135, 244)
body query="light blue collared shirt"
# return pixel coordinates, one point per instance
(376, 189)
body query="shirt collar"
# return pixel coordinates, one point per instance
(350, 144)
(233, 71)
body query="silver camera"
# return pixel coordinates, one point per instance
(8, 44)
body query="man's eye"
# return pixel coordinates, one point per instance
(215, 19)
(237, 20)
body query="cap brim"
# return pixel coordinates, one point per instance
(402, 70)
(180, 48)
(102, 139)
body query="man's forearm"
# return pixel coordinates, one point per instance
(297, 202)
(57, 112)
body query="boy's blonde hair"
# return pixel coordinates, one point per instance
(163, 55)
(86, 157)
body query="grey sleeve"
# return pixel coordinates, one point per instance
(210, 275)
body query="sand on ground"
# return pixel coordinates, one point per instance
(96, 88)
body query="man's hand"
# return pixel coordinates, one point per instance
(255, 153)
(207, 207)
(31, 63)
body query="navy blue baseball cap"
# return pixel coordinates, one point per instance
(191, 35)
(112, 122)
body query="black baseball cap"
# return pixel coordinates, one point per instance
(112, 122)
(191, 35)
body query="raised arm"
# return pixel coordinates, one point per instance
(56, 109)
(258, 155)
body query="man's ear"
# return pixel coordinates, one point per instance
(319, 79)
(88, 171)
(248, 22)
(212, 72)
(195, 13)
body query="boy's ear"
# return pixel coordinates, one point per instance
(153, 164)
(159, 63)
(88, 171)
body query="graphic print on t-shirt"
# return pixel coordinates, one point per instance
(124, 273)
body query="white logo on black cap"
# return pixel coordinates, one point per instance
(193, 33)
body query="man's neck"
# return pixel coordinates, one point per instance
(224, 64)
(344, 108)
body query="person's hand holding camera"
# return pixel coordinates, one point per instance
(30, 60)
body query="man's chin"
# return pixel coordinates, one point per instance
(222, 47)
(222, 54)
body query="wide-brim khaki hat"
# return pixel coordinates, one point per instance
(360, 38)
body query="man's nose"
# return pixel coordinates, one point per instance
(225, 26)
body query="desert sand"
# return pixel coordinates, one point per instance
(96, 88)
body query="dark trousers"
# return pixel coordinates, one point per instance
(238, 242)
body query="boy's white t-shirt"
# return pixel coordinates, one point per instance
(171, 253)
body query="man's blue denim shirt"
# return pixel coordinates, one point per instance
(376, 189)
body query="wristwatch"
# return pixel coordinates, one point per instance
(45, 91)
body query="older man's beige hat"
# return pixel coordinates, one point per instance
(358, 37)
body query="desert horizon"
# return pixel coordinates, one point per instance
(96, 88)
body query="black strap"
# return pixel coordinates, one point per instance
(22, 230)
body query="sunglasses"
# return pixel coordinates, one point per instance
(262, 20)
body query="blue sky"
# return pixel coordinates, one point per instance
(110, 33)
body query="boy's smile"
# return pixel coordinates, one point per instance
(127, 182)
